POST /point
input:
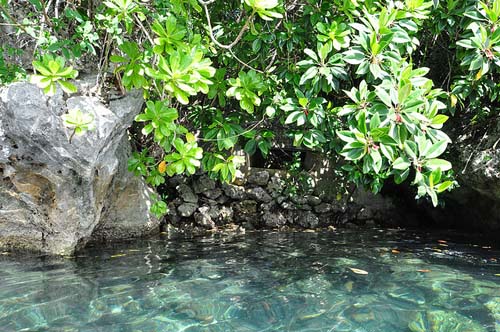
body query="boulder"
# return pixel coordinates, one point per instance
(323, 208)
(274, 219)
(259, 194)
(203, 218)
(186, 193)
(202, 184)
(55, 194)
(234, 192)
(187, 209)
(307, 219)
(259, 178)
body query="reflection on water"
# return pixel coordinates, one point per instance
(259, 282)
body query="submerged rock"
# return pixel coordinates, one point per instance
(54, 193)
(444, 321)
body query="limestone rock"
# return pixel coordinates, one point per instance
(187, 209)
(259, 194)
(307, 219)
(213, 194)
(245, 210)
(323, 208)
(202, 184)
(259, 178)
(234, 192)
(274, 219)
(203, 218)
(186, 193)
(313, 200)
(239, 178)
(54, 194)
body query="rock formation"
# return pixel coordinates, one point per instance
(55, 195)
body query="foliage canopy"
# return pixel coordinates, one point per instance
(368, 82)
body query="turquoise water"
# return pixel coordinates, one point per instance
(405, 282)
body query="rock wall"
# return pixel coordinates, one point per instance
(259, 199)
(55, 195)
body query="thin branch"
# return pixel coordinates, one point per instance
(144, 30)
(249, 129)
(244, 63)
(205, 4)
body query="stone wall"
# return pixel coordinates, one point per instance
(259, 199)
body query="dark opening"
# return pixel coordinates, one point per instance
(277, 158)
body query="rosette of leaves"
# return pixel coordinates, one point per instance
(247, 88)
(186, 158)
(264, 8)
(169, 37)
(160, 120)
(394, 130)
(184, 74)
(51, 71)
(79, 121)
(337, 34)
(132, 65)
(307, 114)
(380, 42)
(322, 70)
(222, 168)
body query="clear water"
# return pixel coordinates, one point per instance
(259, 282)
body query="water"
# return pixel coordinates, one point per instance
(259, 282)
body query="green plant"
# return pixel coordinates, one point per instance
(51, 71)
(370, 84)
(79, 121)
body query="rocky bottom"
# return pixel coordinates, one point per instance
(381, 280)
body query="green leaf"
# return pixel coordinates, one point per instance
(401, 163)
(433, 164)
(435, 150)
(67, 86)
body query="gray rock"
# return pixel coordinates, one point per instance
(259, 194)
(305, 207)
(234, 192)
(307, 219)
(267, 206)
(274, 219)
(223, 199)
(172, 215)
(226, 214)
(186, 193)
(288, 205)
(259, 178)
(202, 184)
(213, 212)
(203, 218)
(176, 180)
(323, 208)
(245, 211)
(239, 178)
(280, 199)
(213, 193)
(275, 186)
(313, 200)
(299, 200)
(187, 209)
(55, 195)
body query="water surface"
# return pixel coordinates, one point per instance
(377, 281)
